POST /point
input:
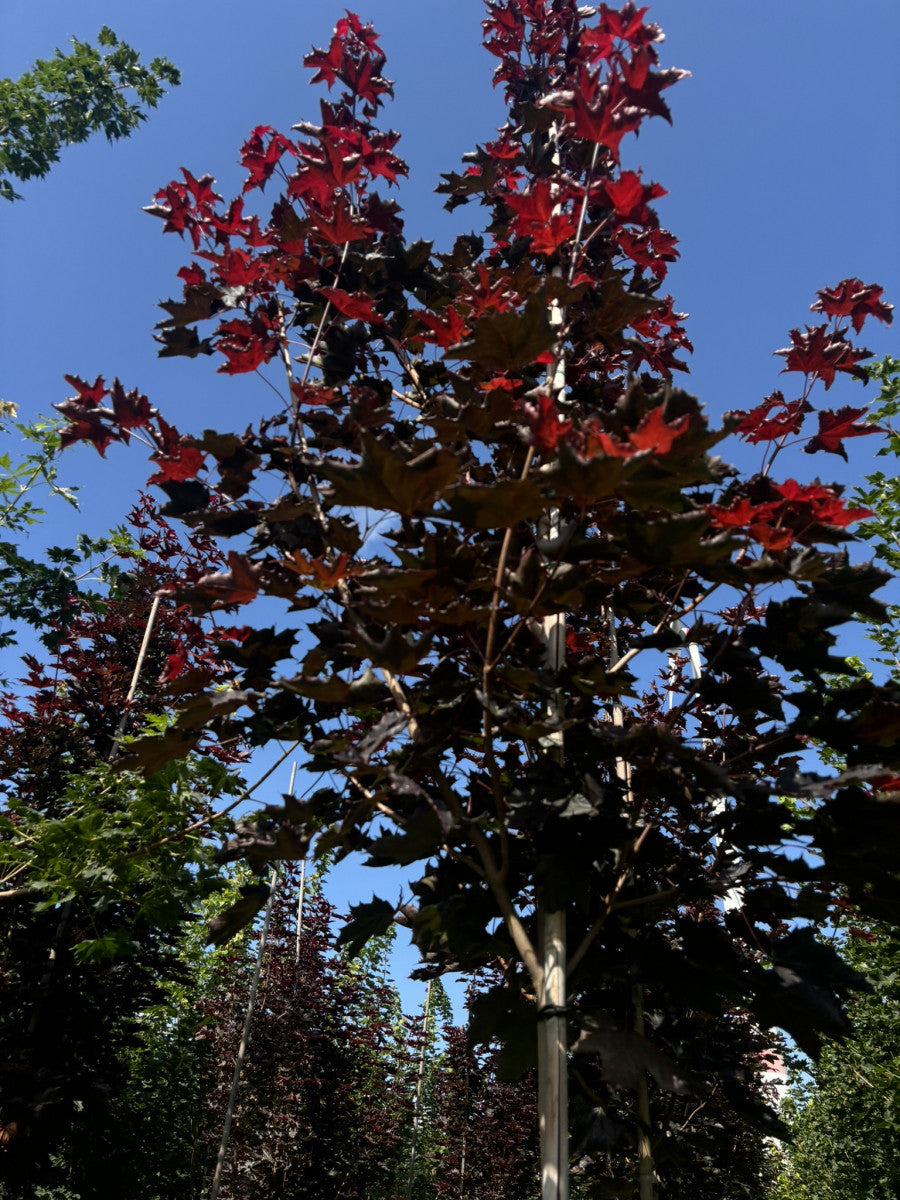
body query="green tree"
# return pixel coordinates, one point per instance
(37, 592)
(844, 1111)
(881, 496)
(64, 99)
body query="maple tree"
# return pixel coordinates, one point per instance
(496, 520)
(64, 99)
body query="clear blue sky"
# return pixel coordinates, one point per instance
(782, 170)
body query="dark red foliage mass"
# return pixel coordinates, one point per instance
(326, 1098)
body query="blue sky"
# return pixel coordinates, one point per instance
(781, 168)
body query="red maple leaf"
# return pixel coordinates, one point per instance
(627, 23)
(629, 196)
(85, 416)
(597, 112)
(184, 462)
(835, 425)
(773, 537)
(90, 394)
(653, 433)
(593, 440)
(260, 156)
(774, 418)
(545, 423)
(237, 268)
(193, 275)
(651, 248)
(854, 299)
(815, 502)
(539, 217)
(85, 424)
(132, 410)
(246, 344)
(446, 329)
(339, 226)
(822, 352)
(358, 306)
(313, 394)
(175, 664)
(201, 190)
(326, 573)
(741, 513)
(487, 295)
(237, 585)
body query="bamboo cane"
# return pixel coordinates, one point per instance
(417, 1103)
(244, 1043)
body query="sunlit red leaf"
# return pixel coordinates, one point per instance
(654, 433)
(652, 248)
(261, 153)
(246, 344)
(537, 217)
(359, 306)
(823, 353)
(313, 394)
(835, 426)
(446, 329)
(176, 662)
(325, 573)
(854, 299)
(340, 225)
(183, 462)
(546, 425)
(629, 196)
(774, 418)
(239, 584)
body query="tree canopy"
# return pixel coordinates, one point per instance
(65, 99)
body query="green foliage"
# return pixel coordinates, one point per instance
(35, 592)
(19, 479)
(115, 839)
(154, 1140)
(64, 99)
(882, 496)
(845, 1112)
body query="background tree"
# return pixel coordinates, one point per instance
(842, 1110)
(91, 918)
(66, 98)
(532, 481)
(325, 1101)
(37, 593)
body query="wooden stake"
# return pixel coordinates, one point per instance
(245, 1042)
(646, 1173)
(553, 1087)
(417, 1103)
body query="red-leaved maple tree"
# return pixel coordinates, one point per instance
(498, 528)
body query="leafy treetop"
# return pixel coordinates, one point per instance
(66, 98)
